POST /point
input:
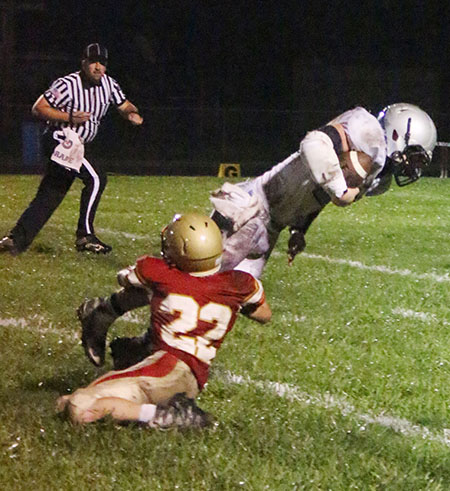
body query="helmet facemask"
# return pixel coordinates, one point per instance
(408, 164)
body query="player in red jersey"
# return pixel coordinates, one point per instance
(193, 307)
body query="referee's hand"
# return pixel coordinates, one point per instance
(135, 118)
(79, 117)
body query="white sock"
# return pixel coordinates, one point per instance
(147, 412)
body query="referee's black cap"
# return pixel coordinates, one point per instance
(96, 52)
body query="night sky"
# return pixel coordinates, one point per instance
(312, 59)
(239, 52)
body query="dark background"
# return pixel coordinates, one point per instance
(228, 81)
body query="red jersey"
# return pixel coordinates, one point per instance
(190, 315)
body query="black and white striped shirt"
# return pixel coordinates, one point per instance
(71, 93)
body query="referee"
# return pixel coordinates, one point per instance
(73, 108)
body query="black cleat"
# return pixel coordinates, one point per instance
(92, 243)
(8, 244)
(180, 412)
(95, 316)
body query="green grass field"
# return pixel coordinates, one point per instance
(347, 387)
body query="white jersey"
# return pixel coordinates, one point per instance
(364, 134)
(292, 191)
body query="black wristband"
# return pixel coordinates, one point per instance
(114, 301)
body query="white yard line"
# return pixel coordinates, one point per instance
(40, 325)
(124, 234)
(354, 264)
(381, 269)
(422, 316)
(328, 401)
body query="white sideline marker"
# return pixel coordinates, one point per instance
(328, 401)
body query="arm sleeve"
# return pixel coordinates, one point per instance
(143, 273)
(127, 277)
(318, 153)
(256, 297)
(117, 95)
(58, 95)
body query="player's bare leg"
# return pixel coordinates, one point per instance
(179, 411)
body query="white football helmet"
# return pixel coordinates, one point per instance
(193, 243)
(411, 137)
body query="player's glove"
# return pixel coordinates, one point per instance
(248, 309)
(296, 244)
(129, 351)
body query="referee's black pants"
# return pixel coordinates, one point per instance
(54, 186)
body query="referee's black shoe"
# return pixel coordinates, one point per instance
(8, 244)
(92, 244)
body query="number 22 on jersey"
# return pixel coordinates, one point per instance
(177, 333)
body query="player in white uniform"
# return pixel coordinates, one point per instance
(252, 214)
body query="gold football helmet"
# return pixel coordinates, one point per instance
(192, 242)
